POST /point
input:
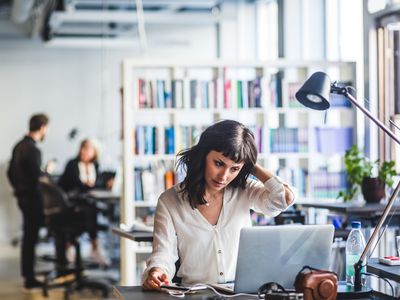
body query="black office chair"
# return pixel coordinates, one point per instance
(64, 221)
(290, 216)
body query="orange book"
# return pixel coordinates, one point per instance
(169, 179)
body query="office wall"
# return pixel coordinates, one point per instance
(77, 88)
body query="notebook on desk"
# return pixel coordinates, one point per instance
(277, 254)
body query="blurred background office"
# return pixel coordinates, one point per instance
(64, 58)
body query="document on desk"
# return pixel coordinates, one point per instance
(183, 288)
(226, 288)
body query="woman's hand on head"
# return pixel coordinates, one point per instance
(155, 279)
(261, 173)
(254, 169)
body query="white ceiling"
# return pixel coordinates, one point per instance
(94, 19)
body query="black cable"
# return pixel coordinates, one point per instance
(379, 277)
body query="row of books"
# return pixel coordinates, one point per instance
(151, 181)
(169, 140)
(324, 184)
(330, 140)
(289, 94)
(160, 140)
(220, 93)
(318, 184)
(295, 177)
(184, 93)
(288, 140)
(154, 140)
(243, 94)
(188, 136)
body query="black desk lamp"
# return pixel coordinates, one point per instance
(315, 94)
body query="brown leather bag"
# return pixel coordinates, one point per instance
(316, 284)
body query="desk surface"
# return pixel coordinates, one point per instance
(134, 236)
(389, 272)
(373, 209)
(136, 292)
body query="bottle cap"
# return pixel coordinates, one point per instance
(356, 224)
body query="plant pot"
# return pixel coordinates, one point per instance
(373, 189)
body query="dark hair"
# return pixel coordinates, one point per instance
(37, 121)
(233, 140)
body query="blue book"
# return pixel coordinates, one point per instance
(161, 93)
(140, 140)
(169, 140)
(149, 144)
(138, 185)
(205, 100)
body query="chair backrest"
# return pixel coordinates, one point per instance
(55, 200)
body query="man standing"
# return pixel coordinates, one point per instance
(24, 172)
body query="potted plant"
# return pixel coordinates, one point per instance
(359, 170)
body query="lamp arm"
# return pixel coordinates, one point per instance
(381, 221)
(358, 265)
(345, 92)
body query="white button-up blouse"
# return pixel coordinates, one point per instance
(208, 252)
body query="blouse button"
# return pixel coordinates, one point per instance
(219, 251)
(221, 273)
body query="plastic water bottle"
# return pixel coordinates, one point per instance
(354, 247)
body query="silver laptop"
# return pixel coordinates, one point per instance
(278, 253)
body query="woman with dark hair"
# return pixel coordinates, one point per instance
(198, 221)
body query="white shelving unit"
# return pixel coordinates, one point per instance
(231, 90)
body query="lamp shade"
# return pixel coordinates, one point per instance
(315, 92)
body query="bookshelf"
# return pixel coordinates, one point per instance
(166, 105)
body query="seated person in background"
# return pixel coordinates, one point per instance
(80, 175)
(199, 220)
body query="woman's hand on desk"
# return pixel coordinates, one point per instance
(155, 279)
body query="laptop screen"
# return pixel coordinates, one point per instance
(278, 253)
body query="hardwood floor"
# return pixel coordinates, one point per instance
(11, 284)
